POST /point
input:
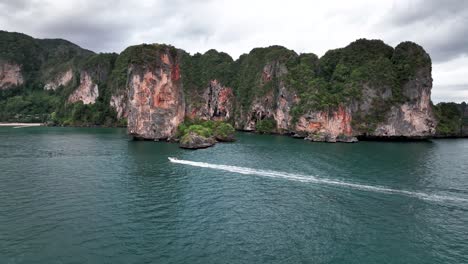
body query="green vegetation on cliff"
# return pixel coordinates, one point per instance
(139, 55)
(252, 79)
(42, 60)
(338, 76)
(47, 106)
(341, 77)
(407, 58)
(266, 126)
(451, 118)
(199, 69)
(345, 76)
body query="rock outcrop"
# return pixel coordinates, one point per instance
(156, 103)
(87, 92)
(195, 141)
(62, 79)
(10, 75)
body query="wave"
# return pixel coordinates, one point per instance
(313, 179)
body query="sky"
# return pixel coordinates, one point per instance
(236, 27)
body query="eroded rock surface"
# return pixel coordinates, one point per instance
(10, 75)
(217, 103)
(275, 103)
(62, 79)
(414, 118)
(326, 126)
(87, 91)
(156, 103)
(119, 103)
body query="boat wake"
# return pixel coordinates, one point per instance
(313, 179)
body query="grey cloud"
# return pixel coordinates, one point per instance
(8, 5)
(429, 10)
(96, 37)
(456, 87)
(440, 26)
(110, 25)
(85, 23)
(236, 27)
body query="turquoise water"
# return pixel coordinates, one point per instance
(72, 195)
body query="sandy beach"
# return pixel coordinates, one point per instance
(20, 124)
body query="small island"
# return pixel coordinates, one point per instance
(196, 134)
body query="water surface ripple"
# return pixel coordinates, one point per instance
(73, 195)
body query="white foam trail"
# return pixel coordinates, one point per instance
(312, 179)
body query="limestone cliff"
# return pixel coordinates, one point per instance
(274, 104)
(119, 103)
(366, 89)
(156, 103)
(414, 117)
(264, 95)
(61, 79)
(325, 126)
(10, 75)
(216, 103)
(87, 91)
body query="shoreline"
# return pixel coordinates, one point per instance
(361, 139)
(20, 124)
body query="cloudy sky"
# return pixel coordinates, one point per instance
(235, 27)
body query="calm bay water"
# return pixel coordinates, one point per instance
(72, 195)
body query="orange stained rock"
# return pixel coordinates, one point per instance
(345, 118)
(314, 126)
(175, 72)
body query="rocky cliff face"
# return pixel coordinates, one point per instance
(62, 79)
(366, 89)
(272, 101)
(280, 97)
(325, 126)
(262, 108)
(347, 94)
(216, 103)
(119, 103)
(10, 75)
(414, 117)
(87, 91)
(156, 103)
